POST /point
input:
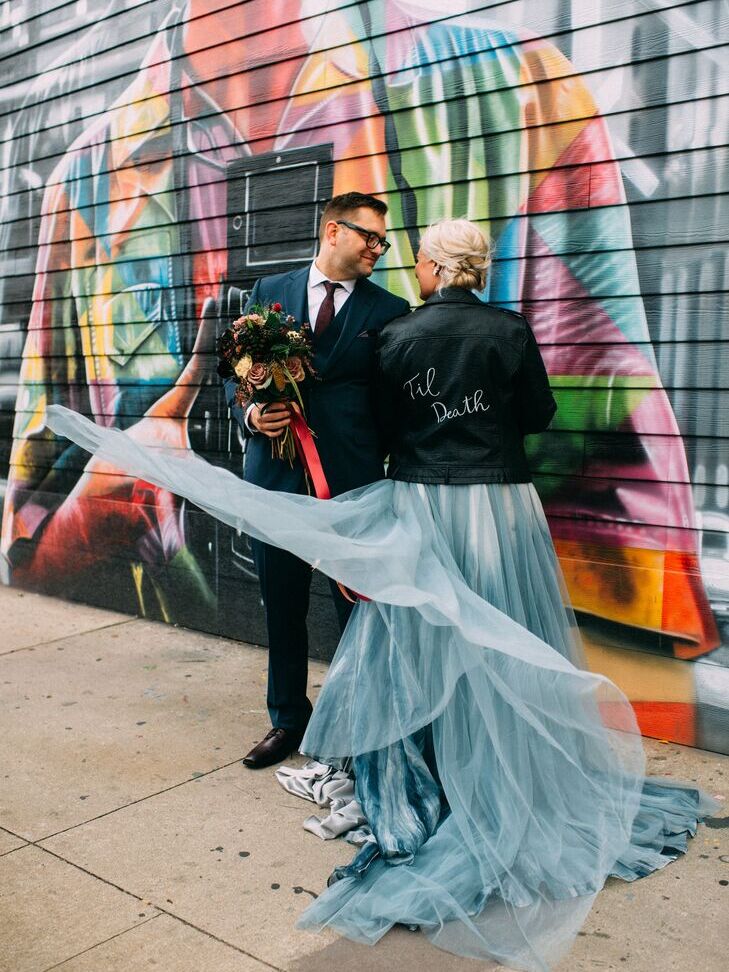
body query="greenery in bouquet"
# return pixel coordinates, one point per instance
(271, 358)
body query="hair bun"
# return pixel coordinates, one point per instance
(461, 249)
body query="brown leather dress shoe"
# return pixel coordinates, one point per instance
(277, 745)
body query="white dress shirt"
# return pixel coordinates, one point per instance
(315, 294)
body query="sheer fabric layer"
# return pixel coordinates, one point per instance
(539, 761)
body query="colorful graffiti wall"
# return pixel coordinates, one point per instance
(158, 153)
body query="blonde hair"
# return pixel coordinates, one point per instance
(461, 251)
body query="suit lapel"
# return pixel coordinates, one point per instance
(294, 295)
(357, 310)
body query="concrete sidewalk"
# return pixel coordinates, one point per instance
(134, 839)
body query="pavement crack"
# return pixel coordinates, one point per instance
(132, 803)
(216, 938)
(84, 870)
(14, 849)
(105, 941)
(146, 901)
(71, 634)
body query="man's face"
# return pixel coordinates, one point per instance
(349, 246)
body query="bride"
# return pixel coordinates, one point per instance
(502, 781)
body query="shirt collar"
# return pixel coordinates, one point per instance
(316, 277)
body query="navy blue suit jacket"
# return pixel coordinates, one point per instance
(339, 402)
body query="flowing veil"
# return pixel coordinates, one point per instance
(539, 761)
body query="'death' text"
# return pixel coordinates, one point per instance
(424, 387)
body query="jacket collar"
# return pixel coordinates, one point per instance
(295, 294)
(453, 295)
(355, 312)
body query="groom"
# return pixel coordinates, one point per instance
(346, 312)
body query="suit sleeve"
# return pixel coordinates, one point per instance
(384, 392)
(535, 402)
(384, 399)
(230, 382)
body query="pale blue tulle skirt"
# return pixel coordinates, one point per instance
(502, 781)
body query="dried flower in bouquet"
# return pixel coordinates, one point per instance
(271, 357)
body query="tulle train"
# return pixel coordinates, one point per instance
(464, 672)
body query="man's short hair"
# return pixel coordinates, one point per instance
(339, 207)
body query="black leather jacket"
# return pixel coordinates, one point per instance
(460, 384)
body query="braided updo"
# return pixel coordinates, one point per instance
(461, 251)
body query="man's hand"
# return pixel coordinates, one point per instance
(272, 421)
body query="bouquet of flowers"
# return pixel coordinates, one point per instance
(271, 359)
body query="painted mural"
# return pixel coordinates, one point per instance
(158, 154)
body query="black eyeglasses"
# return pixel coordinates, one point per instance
(371, 239)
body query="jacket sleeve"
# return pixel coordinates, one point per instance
(230, 382)
(535, 402)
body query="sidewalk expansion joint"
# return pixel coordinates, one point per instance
(132, 803)
(105, 941)
(71, 634)
(14, 849)
(151, 904)
(216, 938)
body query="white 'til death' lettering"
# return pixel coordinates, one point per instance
(471, 404)
(422, 391)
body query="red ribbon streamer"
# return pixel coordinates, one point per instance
(309, 456)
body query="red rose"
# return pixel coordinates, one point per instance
(276, 308)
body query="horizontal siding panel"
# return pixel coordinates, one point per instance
(708, 359)
(580, 410)
(559, 456)
(602, 450)
(708, 123)
(655, 532)
(51, 29)
(605, 52)
(653, 125)
(690, 171)
(655, 262)
(701, 409)
(601, 46)
(709, 109)
(653, 131)
(599, 229)
(674, 319)
(667, 269)
(709, 362)
(42, 14)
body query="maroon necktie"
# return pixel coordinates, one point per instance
(326, 312)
